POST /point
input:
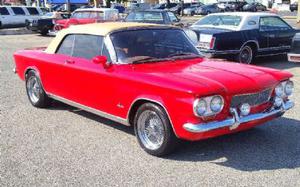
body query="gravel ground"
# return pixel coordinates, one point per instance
(66, 146)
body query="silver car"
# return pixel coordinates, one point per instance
(190, 11)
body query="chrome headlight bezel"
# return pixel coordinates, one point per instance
(288, 87)
(208, 109)
(279, 90)
(284, 89)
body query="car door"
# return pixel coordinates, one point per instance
(277, 32)
(83, 81)
(5, 17)
(19, 16)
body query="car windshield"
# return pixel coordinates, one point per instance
(49, 14)
(88, 14)
(220, 20)
(149, 17)
(152, 45)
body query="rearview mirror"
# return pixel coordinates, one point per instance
(101, 60)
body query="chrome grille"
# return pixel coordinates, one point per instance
(252, 99)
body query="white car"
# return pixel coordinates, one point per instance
(15, 16)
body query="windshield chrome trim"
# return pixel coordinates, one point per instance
(111, 50)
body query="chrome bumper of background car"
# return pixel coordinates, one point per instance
(15, 70)
(217, 52)
(236, 120)
(52, 33)
(292, 57)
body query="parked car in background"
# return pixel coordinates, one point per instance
(15, 16)
(244, 35)
(232, 5)
(208, 9)
(254, 7)
(155, 81)
(164, 6)
(46, 23)
(294, 54)
(294, 6)
(154, 16)
(88, 15)
(177, 9)
(192, 9)
(137, 7)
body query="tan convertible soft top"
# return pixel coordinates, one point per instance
(101, 29)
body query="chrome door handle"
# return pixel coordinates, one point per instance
(272, 35)
(69, 61)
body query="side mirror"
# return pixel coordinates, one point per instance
(101, 60)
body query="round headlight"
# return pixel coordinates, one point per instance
(245, 109)
(289, 88)
(200, 107)
(216, 104)
(278, 101)
(279, 90)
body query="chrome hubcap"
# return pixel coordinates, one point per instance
(34, 89)
(150, 130)
(246, 56)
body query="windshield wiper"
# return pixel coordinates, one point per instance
(148, 59)
(184, 55)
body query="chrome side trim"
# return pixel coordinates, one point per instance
(217, 52)
(153, 101)
(273, 48)
(89, 109)
(236, 120)
(290, 55)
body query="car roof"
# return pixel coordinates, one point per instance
(93, 9)
(246, 14)
(151, 10)
(100, 29)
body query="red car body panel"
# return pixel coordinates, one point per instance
(172, 84)
(65, 23)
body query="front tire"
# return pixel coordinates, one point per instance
(35, 92)
(153, 130)
(246, 55)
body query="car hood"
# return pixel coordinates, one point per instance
(211, 76)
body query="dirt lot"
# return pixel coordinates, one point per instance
(65, 146)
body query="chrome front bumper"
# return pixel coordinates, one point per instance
(236, 120)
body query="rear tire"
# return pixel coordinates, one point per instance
(246, 55)
(153, 130)
(35, 91)
(44, 32)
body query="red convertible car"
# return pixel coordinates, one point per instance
(151, 77)
(86, 16)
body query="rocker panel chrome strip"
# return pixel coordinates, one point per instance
(89, 109)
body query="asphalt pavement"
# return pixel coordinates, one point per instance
(64, 146)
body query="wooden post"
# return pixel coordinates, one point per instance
(96, 3)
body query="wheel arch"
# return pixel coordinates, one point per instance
(35, 69)
(252, 43)
(31, 68)
(140, 101)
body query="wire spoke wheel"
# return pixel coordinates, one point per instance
(150, 130)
